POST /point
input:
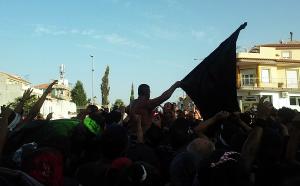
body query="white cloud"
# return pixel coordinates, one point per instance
(198, 34)
(51, 30)
(74, 31)
(127, 4)
(157, 17)
(112, 38)
(172, 3)
(119, 40)
(159, 33)
(87, 46)
(168, 63)
(87, 32)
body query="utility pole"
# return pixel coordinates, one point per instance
(93, 100)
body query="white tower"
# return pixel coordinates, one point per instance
(62, 79)
(62, 71)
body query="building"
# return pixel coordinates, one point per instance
(59, 100)
(11, 87)
(271, 70)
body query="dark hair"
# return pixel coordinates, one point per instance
(140, 174)
(99, 118)
(286, 115)
(232, 134)
(222, 169)
(153, 136)
(113, 117)
(114, 142)
(181, 133)
(142, 90)
(92, 108)
(271, 147)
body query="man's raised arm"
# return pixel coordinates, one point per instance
(37, 106)
(165, 96)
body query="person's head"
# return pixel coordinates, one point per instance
(180, 114)
(45, 165)
(91, 109)
(144, 91)
(231, 135)
(181, 133)
(98, 117)
(153, 136)
(113, 117)
(140, 173)
(271, 146)
(183, 169)
(114, 142)
(221, 169)
(201, 146)
(169, 112)
(190, 116)
(286, 115)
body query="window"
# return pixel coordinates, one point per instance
(286, 54)
(292, 78)
(269, 98)
(265, 75)
(295, 100)
(251, 98)
(248, 79)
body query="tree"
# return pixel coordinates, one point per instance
(118, 103)
(27, 105)
(78, 94)
(186, 103)
(132, 93)
(105, 87)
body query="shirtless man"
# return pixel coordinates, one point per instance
(144, 106)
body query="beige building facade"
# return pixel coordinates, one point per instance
(269, 70)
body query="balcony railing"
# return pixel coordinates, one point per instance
(281, 83)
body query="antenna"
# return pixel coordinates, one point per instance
(62, 71)
(291, 36)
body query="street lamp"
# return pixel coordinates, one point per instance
(93, 99)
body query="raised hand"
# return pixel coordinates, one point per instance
(49, 116)
(156, 120)
(6, 111)
(264, 108)
(50, 87)
(26, 94)
(177, 84)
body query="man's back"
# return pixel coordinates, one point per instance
(141, 107)
(144, 106)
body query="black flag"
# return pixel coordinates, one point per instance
(212, 84)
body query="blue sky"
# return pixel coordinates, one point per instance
(143, 41)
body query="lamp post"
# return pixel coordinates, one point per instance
(92, 57)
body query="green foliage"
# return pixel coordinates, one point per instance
(78, 94)
(105, 88)
(27, 105)
(118, 103)
(187, 103)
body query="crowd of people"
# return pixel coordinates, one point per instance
(140, 145)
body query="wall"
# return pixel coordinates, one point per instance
(60, 108)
